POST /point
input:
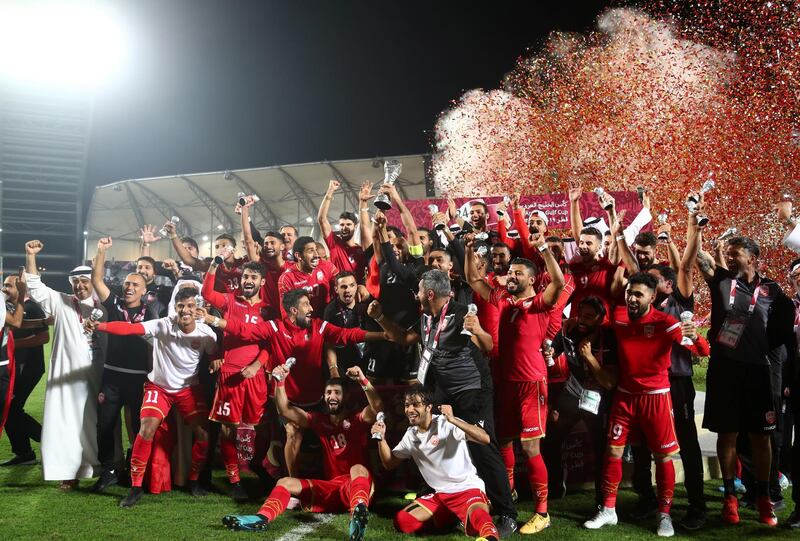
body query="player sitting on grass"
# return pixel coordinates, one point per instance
(344, 438)
(438, 446)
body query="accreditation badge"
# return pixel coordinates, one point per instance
(732, 329)
(424, 364)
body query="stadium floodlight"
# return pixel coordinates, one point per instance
(78, 43)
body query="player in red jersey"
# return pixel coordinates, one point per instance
(270, 255)
(311, 273)
(522, 371)
(645, 337)
(301, 337)
(344, 438)
(242, 385)
(346, 254)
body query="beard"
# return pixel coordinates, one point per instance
(304, 322)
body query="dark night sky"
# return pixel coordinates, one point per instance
(215, 85)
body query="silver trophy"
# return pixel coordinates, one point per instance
(483, 235)
(601, 193)
(546, 345)
(434, 209)
(95, 315)
(482, 250)
(692, 201)
(391, 170)
(728, 233)
(686, 317)
(174, 221)
(662, 219)
(472, 310)
(290, 362)
(199, 302)
(378, 418)
(507, 201)
(243, 199)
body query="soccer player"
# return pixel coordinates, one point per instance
(301, 337)
(346, 254)
(438, 446)
(344, 437)
(242, 385)
(270, 256)
(309, 272)
(645, 337)
(347, 312)
(522, 389)
(178, 345)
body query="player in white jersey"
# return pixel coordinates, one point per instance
(438, 446)
(179, 343)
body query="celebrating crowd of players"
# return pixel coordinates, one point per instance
(498, 335)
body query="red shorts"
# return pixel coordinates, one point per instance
(444, 508)
(521, 410)
(651, 414)
(189, 401)
(239, 400)
(320, 496)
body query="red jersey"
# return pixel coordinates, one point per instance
(644, 346)
(596, 279)
(269, 291)
(304, 385)
(237, 353)
(319, 284)
(343, 445)
(229, 278)
(345, 257)
(489, 315)
(522, 327)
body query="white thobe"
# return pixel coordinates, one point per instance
(69, 426)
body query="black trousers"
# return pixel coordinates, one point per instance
(795, 456)
(119, 389)
(559, 429)
(5, 387)
(21, 427)
(682, 393)
(475, 407)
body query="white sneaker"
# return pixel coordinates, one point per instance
(665, 528)
(294, 503)
(604, 516)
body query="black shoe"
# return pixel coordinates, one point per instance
(28, 459)
(106, 479)
(506, 526)
(645, 508)
(694, 520)
(132, 498)
(794, 519)
(237, 492)
(195, 489)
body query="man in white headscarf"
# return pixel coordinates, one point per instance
(69, 428)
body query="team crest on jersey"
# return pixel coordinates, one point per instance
(584, 280)
(527, 304)
(649, 330)
(320, 275)
(764, 291)
(616, 431)
(435, 441)
(346, 424)
(770, 417)
(195, 344)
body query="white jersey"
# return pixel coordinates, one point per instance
(442, 456)
(176, 354)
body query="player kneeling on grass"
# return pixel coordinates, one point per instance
(344, 438)
(178, 345)
(438, 446)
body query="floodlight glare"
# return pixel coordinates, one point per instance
(73, 43)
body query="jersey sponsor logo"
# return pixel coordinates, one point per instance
(649, 330)
(531, 429)
(195, 344)
(670, 444)
(770, 417)
(298, 283)
(320, 275)
(620, 323)
(435, 441)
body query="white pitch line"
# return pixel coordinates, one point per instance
(295, 534)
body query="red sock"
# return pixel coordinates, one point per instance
(665, 483)
(480, 522)
(359, 491)
(231, 459)
(508, 459)
(275, 504)
(612, 476)
(139, 458)
(405, 522)
(199, 453)
(537, 476)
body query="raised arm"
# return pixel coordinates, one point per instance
(395, 332)
(575, 220)
(148, 235)
(473, 432)
(216, 298)
(557, 281)
(322, 215)
(482, 339)
(364, 223)
(285, 409)
(374, 401)
(183, 253)
(405, 215)
(98, 266)
(249, 243)
(32, 247)
(686, 264)
(471, 275)
(623, 250)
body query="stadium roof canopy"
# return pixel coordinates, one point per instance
(204, 202)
